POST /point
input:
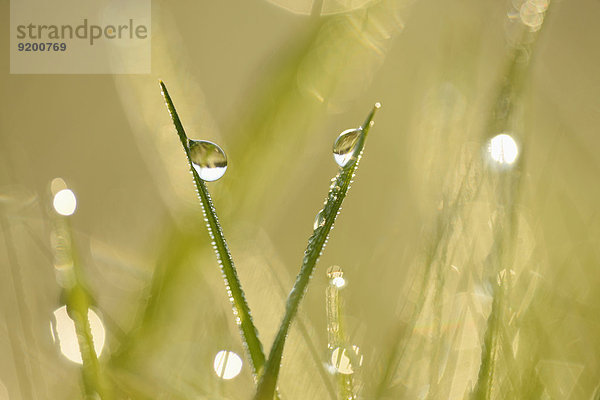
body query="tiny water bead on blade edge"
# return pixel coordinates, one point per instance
(345, 146)
(208, 159)
(319, 220)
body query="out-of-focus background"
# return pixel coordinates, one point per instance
(468, 268)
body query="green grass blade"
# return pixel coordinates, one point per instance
(316, 243)
(507, 192)
(78, 301)
(337, 339)
(234, 288)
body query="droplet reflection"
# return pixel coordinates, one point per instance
(532, 13)
(345, 146)
(227, 364)
(336, 276)
(65, 202)
(208, 159)
(503, 149)
(338, 282)
(319, 220)
(63, 331)
(341, 361)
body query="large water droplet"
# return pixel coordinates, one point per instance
(208, 159)
(345, 149)
(319, 220)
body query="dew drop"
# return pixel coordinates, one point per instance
(319, 220)
(208, 159)
(345, 146)
(336, 276)
(342, 360)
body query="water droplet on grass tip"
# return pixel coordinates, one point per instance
(208, 159)
(319, 220)
(345, 146)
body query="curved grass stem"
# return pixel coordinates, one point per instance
(339, 188)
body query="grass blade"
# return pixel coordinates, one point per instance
(78, 301)
(336, 335)
(316, 243)
(234, 288)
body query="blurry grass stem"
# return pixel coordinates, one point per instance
(78, 300)
(336, 336)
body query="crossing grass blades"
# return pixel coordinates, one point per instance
(208, 161)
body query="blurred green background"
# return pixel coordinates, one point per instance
(424, 234)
